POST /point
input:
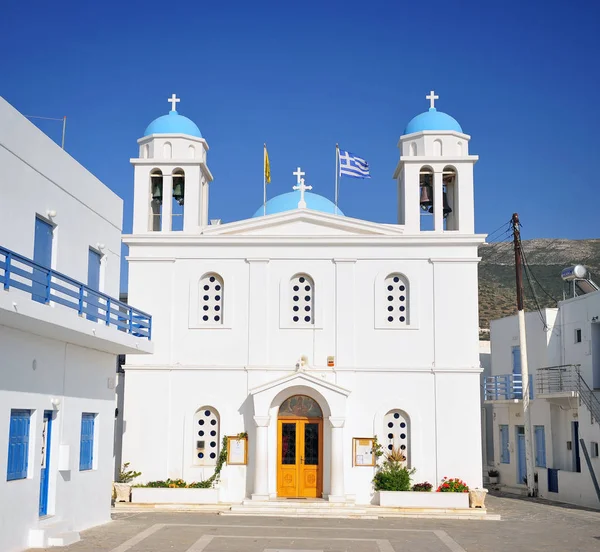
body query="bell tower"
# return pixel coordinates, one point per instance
(435, 175)
(171, 177)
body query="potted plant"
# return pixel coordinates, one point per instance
(424, 487)
(393, 475)
(493, 476)
(122, 487)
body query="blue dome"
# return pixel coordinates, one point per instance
(173, 123)
(289, 202)
(432, 120)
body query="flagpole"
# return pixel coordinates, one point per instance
(337, 175)
(264, 179)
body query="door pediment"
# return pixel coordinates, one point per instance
(330, 396)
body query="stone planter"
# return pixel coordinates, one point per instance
(414, 499)
(122, 492)
(477, 498)
(149, 495)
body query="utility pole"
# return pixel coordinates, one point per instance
(523, 347)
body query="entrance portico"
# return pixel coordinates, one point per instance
(331, 399)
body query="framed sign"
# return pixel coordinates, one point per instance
(237, 450)
(362, 451)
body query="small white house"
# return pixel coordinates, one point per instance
(563, 353)
(61, 328)
(310, 331)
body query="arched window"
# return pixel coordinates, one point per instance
(450, 179)
(302, 300)
(178, 199)
(206, 436)
(146, 151)
(156, 198)
(413, 149)
(437, 148)
(396, 430)
(426, 198)
(211, 299)
(396, 300)
(167, 150)
(191, 152)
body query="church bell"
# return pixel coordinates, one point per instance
(426, 200)
(178, 189)
(446, 209)
(157, 188)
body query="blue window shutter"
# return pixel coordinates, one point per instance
(504, 452)
(540, 447)
(18, 445)
(516, 360)
(86, 447)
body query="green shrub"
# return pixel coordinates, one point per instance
(392, 476)
(127, 476)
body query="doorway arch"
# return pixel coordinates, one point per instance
(300, 448)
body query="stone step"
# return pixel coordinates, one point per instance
(64, 539)
(320, 504)
(372, 514)
(52, 533)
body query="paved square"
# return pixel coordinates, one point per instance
(527, 526)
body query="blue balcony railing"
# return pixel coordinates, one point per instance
(46, 285)
(505, 387)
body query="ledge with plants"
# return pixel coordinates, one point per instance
(394, 487)
(171, 491)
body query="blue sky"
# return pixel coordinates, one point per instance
(520, 77)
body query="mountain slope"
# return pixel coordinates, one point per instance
(546, 258)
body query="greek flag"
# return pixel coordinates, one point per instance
(352, 165)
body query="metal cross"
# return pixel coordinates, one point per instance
(174, 100)
(302, 187)
(432, 97)
(299, 174)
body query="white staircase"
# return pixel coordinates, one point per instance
(52, 533)
(325, 509)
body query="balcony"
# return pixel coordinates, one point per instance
(564, 382)
(50, 304)
(557, 381)
(506, 387)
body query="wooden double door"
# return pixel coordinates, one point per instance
(300, 457)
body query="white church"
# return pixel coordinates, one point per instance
(307, 330)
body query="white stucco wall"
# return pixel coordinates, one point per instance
(49, 353)
(554, 346)
(33, 372)
(38, 176)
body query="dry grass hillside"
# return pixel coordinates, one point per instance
(546, 257)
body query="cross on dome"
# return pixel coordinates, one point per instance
(432, 97)
(302, 187)
(174, 100)
(299, 174)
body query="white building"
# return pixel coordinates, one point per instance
(60, 229)
(304, 328)
(563, 354)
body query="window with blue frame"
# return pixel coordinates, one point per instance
(504, 450)
(86, 446)
(18, 444)
(540, 446)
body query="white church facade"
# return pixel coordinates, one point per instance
(303, 328)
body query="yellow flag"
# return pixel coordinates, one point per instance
(267, 167)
